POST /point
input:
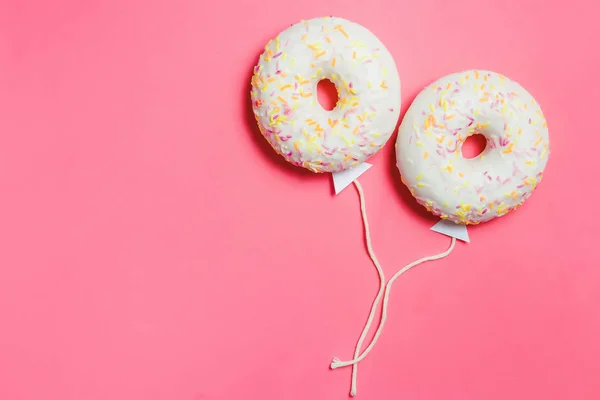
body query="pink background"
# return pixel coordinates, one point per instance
(152, 246)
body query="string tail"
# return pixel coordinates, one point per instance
(337, 363)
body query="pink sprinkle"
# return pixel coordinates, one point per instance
(410, 140)
(489, 178)
(368, 61)
(484, 211)
(373, 108)
(277, 72)
(391, 110)
(539, 174)
(350, 85)
(520, 186)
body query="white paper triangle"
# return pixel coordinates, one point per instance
(342, 179)
(451, 229)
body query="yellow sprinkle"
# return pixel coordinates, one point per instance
(419, 177)
(510, 148)
(420, 184)
(420, 144)
(341, 30)
(465, 207)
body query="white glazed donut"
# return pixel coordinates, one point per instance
(284, 94)
(430, 138)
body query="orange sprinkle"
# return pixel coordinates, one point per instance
(304, 82)
(296, 146)
(538, 141)
(272, 79)
(476, 74)
(282, 99)
(333, 62)
(485, 78)
(483, 99)
(461, 175)
(450, 116)
(360, 118)
(346, 126)
(349, 156)
(425, 155)
(304, 37)
(332, 123)
(353, 54)
(355, 131)
(525, 106)
(545, 124)
(320, 54)
(482, 86)
(383, 85)
(519, 131)
(448, 86)
(281, 89)
(510, 148)
(439, 139)
(306, 94)
(328, 39)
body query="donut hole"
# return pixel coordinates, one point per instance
(474, 145)
(327, 94)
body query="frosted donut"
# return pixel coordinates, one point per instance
(502, 177)
(284, 96)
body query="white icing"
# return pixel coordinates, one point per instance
(284, 94)
(430, 137)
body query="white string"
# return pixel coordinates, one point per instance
(336, 363)
(363, 210)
